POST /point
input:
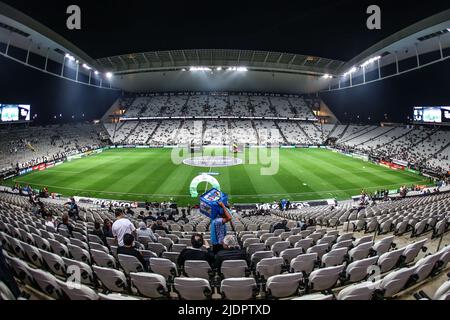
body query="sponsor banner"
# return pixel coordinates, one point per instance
(412, 171)
(300, 146)
(142, 147)
(25, 171)
(75, 157)
(287, 147)
(313, 147)
(391, 165)
(210, 173)
(58, 163)
(40, 167)
(275, 206)
(107, 203)
(400, 162)
(360, 156)
(49, 165)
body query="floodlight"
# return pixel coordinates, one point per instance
(109, 75)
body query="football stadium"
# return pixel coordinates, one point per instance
(299, 153)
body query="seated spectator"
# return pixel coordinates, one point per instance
(65, 224)
(171, 217)
(231, 251)
(129, 212)
(129, 250)
(195, 252)
(73, 209)
(141, 215)
(183, 218)
(98, 231)
(143, 231)
(50, 222)
(149, 217)
(159, 226)
(280, 226)
(107, 229)
(121, 227)
(161, 217)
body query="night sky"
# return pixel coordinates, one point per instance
(330, 29)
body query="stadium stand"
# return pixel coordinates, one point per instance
(336, 259)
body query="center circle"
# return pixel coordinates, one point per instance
(212, 161)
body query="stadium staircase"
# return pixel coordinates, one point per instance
(256, 131)
(131, 131)
(397, 138)
(294, 111)
(203, 130)
(332, 131)
(281, 133)
(440, 151)
(178, 130)
(359, 133)
(306, 135)
(373, 138)
(151, 135)
(184, 110)
(29, 146)
(273, 109)
(343, 132)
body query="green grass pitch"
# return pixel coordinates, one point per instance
(150, 174)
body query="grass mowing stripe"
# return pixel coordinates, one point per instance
(150, 174)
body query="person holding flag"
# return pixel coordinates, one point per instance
(218, 228)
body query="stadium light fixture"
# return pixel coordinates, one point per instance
(109, 75)
(219, 68)
(184, 70)
(86, 66)
(327, 76)
(242, 69)
(370, 61)
(70, 57)
(352, 70)
(96, 72)
(200, 69)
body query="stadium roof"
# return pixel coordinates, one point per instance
(256, 60)
(267, 71)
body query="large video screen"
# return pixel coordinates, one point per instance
(15, 113)
(432, 114)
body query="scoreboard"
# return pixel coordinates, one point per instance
(10, 113)
(432, 115)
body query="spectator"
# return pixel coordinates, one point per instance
(231, 251)
(159, 226)
(161, 217)
(107, 228)
(170, 217)
(121, 227)
(280, 226)
(143, 231)
(65, 224)
(129, 250)
(149, 217)
(218, 229)
(98, 231)
(129, 212)
(50, 222)
(183, 218)
(73, 209)
(195, 252)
